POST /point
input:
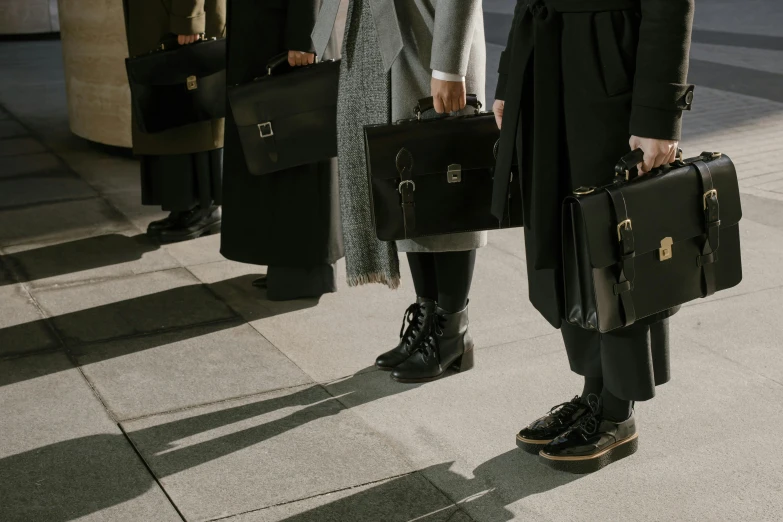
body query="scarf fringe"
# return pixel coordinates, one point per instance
(379, 278)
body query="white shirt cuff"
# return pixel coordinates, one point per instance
(447, 77)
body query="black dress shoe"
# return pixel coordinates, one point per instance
(155, 227)
(592, 443)
(561, 417)
(447, 344)
(417, 316)
(192, 224)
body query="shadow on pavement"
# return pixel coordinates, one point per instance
(181, 313)
(76, 256)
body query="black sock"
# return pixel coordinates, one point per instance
(454, 275)
(594, 385)
(614, 408)
(424, 276)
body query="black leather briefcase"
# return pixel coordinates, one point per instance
(637, 248)
(289, 117)
(434, 176)
(178, 85)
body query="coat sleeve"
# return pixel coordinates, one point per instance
(300, 21)
(455, 27)
(660, 92)
(187, 17)
(505, 58)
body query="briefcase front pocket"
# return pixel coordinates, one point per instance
(673, 242)
(435, 176)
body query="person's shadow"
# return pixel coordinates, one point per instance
(74, 478)
(73, 256)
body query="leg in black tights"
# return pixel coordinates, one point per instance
(444, 277)
(455, 275)
(424, 277)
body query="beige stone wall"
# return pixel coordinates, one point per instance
(28, 16)
(94, 52)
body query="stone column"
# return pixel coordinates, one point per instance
(28, 16)
(94, 52)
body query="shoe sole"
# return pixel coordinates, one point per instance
(581, 465)
(206, 231)
(464, 363)
(531, 445)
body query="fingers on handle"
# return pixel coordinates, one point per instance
(499, 120)
(438, 104)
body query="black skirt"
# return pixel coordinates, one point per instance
(179, 182)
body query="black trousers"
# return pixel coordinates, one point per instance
(632, 361)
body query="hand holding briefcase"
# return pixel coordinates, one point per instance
(178, 85)
(637, 248)
(287, 118)
(435, 176)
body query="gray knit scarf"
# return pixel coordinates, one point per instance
(364, 99)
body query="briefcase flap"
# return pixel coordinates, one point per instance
(434, 144)
(200, 59)
(667, 204)
(298, 91)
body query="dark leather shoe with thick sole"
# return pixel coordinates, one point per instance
(416, 316)
(154, 228)
(448, 344)
(591, 444)
(541, 431)
(192, 224)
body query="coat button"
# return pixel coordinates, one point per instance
(689, 98)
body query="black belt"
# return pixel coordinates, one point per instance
(537, 34)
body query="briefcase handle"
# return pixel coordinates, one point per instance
(276, 63)
(628, 162)
(427, 104)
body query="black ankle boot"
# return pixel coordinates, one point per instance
(447, 345)
(154, 228)
(417, 316)
(192, 224)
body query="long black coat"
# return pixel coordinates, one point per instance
(578, 79)
(289, 218)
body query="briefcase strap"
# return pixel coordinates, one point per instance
(624, 286)
(711, 207)
(407, 188)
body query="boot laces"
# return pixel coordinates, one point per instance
(430, 346)
(414, 319)
(565, 410)
(590, 422)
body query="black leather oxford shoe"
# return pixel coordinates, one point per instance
(192, 224)
(154, 228)
(448, 344)
(417, 317)
(541, 431)
(592, 443)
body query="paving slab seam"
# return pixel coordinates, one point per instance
(393, 477)
(149, 470)
(140, 335)
(694, 304)
(182, 409)
(709, 349)
(22, 355)
(28, 206)
(67, 166)
(84, 282)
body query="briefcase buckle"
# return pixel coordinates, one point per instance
(454, 174)
(265, 129)
(623, 225)
(665, 252)
(406, 182)
(192, 83)
(709, 194)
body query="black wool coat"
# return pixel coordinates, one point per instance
(289, 218)
(579, 78)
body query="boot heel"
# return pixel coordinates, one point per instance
(465, 362)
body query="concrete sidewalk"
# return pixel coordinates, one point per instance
(150, 383)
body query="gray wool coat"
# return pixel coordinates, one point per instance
(415, 38)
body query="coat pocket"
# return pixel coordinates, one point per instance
(613, 68)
